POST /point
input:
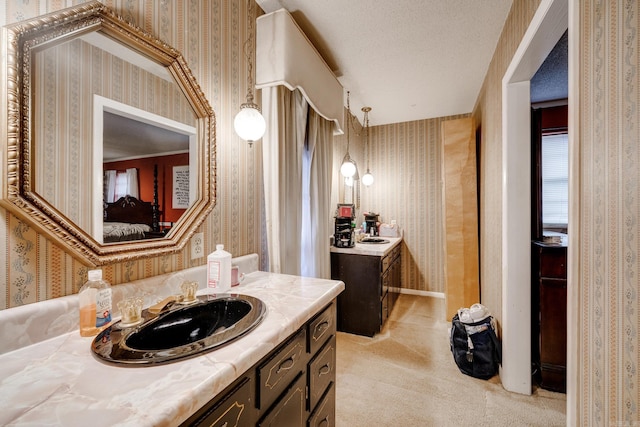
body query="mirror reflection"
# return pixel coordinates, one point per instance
(138, 175)
(146, 185)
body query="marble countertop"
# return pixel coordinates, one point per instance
(58, 381)
(374, 249)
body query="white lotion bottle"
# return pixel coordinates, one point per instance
(219, 270)
(95, 304)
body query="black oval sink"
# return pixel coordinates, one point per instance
(181, 332)
(374, 240)
(188, 324)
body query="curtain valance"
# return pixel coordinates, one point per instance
(285, 56)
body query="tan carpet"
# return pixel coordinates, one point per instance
(406, 376)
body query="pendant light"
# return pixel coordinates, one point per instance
(249, 123)
(367, 179)
(348, 168)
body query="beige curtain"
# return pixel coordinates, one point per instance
(298, 158)
(319, 173)
(282, 150)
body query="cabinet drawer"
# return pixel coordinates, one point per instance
(386, 280)
(277, 373)
(325, 413)
(322, 372)
(233, 410)
(385, 263)
(290, 409)
(321, 328)
(553, 263)
(395, 252)
(390, 258)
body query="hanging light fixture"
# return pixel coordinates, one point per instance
(348, 168)
(367, 179)
(249, 123)
(351, 180)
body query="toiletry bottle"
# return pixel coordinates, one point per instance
(219, 270)
(95, 304)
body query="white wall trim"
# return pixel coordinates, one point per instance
(418, 293)
(545, 29)
(516, 239)
(574, 321)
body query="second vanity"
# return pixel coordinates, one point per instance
(371, 273)
(57, 381)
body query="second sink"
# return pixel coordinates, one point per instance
(374, 241)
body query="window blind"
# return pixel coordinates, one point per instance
(555, 180)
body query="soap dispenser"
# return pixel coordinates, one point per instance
(95, 304)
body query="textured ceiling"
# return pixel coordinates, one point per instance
(406, 59)
(551, 81)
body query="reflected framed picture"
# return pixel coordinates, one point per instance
(346, 211)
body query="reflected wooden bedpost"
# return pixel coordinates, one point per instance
(155, 225)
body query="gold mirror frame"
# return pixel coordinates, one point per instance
(20, 42)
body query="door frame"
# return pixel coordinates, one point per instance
(545, 29)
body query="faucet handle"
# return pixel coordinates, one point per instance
(165, 303)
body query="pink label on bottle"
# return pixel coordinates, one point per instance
(213, 274)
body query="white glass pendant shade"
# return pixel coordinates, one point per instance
(249, 123)
(367, 179)
(348, 169)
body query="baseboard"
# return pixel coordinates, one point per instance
(417, 292)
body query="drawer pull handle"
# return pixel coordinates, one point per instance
(320, 329)
(285, 365)
(324, 369)
(324, 422)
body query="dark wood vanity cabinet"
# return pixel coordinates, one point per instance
(235, 408)
(278, 372)
(290, 410)
(549, 315)
(369, 294)
(294, 385)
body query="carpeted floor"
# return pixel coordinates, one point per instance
(406, 376)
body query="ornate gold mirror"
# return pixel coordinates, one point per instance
(110, 140)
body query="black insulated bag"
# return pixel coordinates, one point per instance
(475, 346)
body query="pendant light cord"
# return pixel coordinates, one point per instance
(248, 50)
(348, 120)
(365, 124)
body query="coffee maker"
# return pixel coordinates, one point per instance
(371, 223)
(343, 236)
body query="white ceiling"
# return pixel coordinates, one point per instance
(406, 59)
(126, 138)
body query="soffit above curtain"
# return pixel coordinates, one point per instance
(285, 56)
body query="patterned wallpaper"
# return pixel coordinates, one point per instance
(406, 162)
(609, 223)
(210, 35)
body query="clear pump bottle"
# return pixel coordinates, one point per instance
(95, 304)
